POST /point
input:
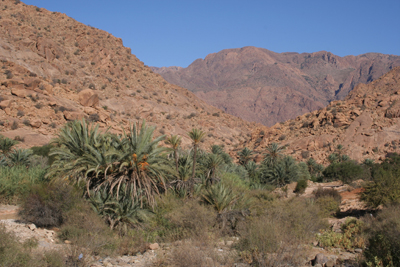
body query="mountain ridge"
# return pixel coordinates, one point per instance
(250, 82)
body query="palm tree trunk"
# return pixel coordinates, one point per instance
(176, 160)
(194, 161)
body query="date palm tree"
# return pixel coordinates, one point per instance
(274, 152)
(197, 136)
(174, 141)
(245, 155)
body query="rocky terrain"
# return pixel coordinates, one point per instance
(366, 123)
(259, 85)
(54, 69)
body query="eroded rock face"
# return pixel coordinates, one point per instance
(259, 85)
(360, 123)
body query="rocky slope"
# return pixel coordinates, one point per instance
(54, 69)
(259, 85)
(366, 123)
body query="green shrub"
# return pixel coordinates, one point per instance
(16, 182)
(301, 186)
(384, 239)
(384, 189)
(328, 206)
(328, 201)
(350, 238)
(346, 171)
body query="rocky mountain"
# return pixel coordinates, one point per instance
(366, 123)
(259, 85)
(54, 69)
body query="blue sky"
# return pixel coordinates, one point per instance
(176, 32)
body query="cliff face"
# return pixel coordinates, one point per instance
(55, 69)
(259, 85)
(366, 123)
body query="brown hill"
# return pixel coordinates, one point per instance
(259, 85)
(366, 123)
(55, 69)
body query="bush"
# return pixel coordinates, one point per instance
(301, 186)
(46, 205)
(384, 239)
(275, 236)
(14, 253)
(351, 236)
(16, 182)
(86, 230)
(384, 189)
(346, 171)
(328, 200)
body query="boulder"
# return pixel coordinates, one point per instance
(320, 259)
(154, 246)
(73, 115)
(36, 123)
(5, 104)
(88, 98)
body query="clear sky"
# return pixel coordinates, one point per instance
(176, 32)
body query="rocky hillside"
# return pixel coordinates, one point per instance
(259, 85)
(55, 69)
(366, 123)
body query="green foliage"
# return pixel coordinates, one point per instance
(118, 209)
(17, 181)
(220, 197)
(301, 186)
(384, 239)
(245, 156)
(384, 189)
(19, 157)
(351, 236)
(134, 159)
(346, 171)
(328, 201)
(43, 151)
(274, 153)
(6, 144)
(281, 172)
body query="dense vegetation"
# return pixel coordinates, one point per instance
(131, 189)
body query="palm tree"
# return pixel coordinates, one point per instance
(274, 152)
(118, 209)
(142, 164)
(245, 155)
(214, 161)
(281, 173)
(20, 157)
(6, 144)
(220, 197)
(74, 140)
(174, 141)
(253, 172)
(197, 136)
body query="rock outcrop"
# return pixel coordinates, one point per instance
(365, 123)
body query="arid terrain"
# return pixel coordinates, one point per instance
(259, 85)
(55, 69)
(366, 123)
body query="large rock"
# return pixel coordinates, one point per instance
(88, 98)
(73, 115)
